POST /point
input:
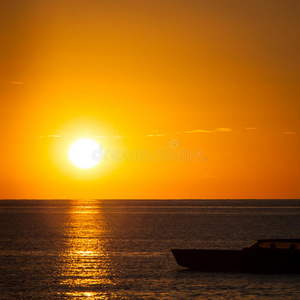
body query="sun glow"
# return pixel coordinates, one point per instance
(85, 153)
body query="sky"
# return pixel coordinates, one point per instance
(188, 99)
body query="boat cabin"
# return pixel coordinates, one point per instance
(289, 244)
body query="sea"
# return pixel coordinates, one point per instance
(121, 249)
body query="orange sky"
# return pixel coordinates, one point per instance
(220, 77)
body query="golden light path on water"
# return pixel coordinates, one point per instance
(86, 264)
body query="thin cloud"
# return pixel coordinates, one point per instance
(290, 132)
(250, 128)
(156, 134)
(17, 82)
(198, 130)
(50, 136)
(100, 136)
(223, 129)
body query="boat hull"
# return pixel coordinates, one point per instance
(256, 261)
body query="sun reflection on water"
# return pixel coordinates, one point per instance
(87, 268)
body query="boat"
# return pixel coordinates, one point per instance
(264, 256)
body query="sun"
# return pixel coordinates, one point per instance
(85, 153)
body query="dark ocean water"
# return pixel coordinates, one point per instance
(65, 249)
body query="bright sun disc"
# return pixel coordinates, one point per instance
(85, 153)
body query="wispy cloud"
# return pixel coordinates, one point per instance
(250, 128)
(223, 129)
(290, 132)
(101, 136)
(17, 82)
(50, 136)
(156, 134)
(198, 130)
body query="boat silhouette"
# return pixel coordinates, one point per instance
(264, 256)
